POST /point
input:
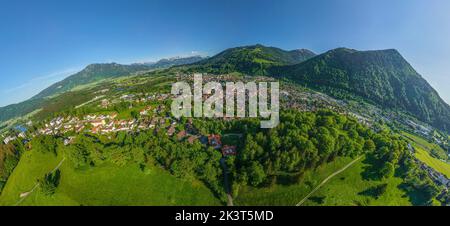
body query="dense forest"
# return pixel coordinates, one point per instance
(252, 60)
(383, 77)
(303, 141)
(9, 158)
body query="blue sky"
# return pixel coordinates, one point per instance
(42, 42)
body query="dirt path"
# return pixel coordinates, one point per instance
(327, 179)
(226, 182)
(26, 194)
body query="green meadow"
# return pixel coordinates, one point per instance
(345, 189)
(349, 189)
(423, 150)
(101, 185)
(436, 164)
(427, 146)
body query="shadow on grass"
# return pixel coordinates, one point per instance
(317, 199)
(371, 169)
(415, 196)
(290, 178)
(375, 192)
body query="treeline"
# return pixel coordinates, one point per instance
(9, 158)
(418, 184)
(146, 149)
(302, 141)
(306, 140)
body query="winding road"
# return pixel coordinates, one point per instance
(226, 182)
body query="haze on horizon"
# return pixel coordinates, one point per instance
(46, 41)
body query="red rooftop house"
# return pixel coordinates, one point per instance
(214, 141)
(181, 135)
(228, 150)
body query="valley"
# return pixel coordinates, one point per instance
(122, 146)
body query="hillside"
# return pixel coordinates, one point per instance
(383, 77)
(342, 190)
(252, 60)
(174, 61)
(103, 185)
(91, 73)
(133, 152)
(97, 72)
(20, 109)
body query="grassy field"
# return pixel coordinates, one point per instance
(436, 164)
(427, 146)
(423, 149)
(102, 185)
(342, 190)
(347, 189)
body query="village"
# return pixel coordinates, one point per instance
(154, 116)
(160, 118)
(150, 118)
(157, 117)
(437, 177)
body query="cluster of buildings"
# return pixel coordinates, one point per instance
(61, 125)
(134, 98)
(103, 124)
(215, 141)
(9, 139)
(99, 124)
(145, 97)
(109, 123)
(419, 128)
(308, 101)
(12, 137)
(437, 177)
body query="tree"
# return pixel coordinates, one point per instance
(9, 163)
(50, 182)
(134, 114)
(376, 191)
(387, 171)
(44, 144)
(138, 155)
(256, 174)
(369, 146)
(79, 153)
(325, 142)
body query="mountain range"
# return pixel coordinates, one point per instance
(252, 60)
(92, 73)
(382, 77)
(174, 61)
(97, 72)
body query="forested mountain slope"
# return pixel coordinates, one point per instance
(383, 77)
